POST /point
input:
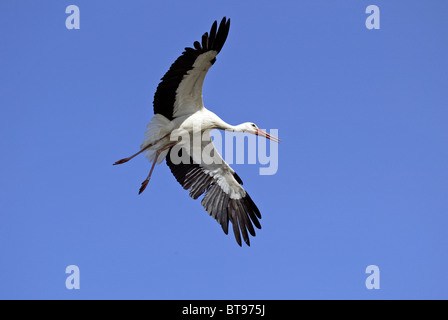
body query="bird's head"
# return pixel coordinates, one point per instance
(251, 127)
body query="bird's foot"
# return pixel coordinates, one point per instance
(143, 187)
(121, 161)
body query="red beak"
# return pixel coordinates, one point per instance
(262, 133)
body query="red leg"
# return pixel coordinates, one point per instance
(145, 148)
(145, 183)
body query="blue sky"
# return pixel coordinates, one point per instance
(362, 176)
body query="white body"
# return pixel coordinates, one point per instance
(159, 126)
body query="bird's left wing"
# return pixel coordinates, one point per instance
(225, 199)
(180, 91)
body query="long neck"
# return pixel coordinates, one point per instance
(218, 123)
(229, 127)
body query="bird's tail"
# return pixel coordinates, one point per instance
(157, 128)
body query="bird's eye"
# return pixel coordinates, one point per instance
(253, 125)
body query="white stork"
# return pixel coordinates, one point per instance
(178, 106)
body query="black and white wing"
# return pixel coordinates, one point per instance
(180, 92)
(225, 199)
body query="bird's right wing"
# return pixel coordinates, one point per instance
(180, 92)
(225, 199)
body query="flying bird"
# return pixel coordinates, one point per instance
(178, 107)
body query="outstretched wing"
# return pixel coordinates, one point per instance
(180, 92)
(225, 199)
